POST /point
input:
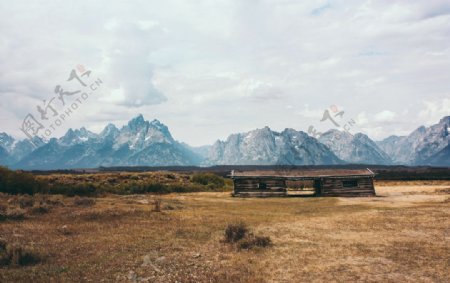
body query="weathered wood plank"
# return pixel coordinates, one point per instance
(360, 186)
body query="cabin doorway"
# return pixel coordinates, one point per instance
(300, 187)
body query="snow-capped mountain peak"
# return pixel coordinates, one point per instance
(7, 141)
(109, 131)
(76, 136)
(358, 148)
(137, 123)
(420, 147)
(140, 142)
(267, 147)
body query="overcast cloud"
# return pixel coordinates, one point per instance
(211, 68)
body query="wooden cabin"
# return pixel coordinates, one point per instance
(327, 182)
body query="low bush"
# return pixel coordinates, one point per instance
(157, 205)
(3, 208)
(4, 260)
(71, 190)
(2, 245)
(54, 202)
(22, 201)
(239, 235)
(65, 230)
(134, 177)
(17, 255)
(157, 188)
(18, 182)
(235, 232)
(208, 179)
(254, 241)
(13, 214)
(83, 201)
(40, 209)
(170, 176)
(18, 207)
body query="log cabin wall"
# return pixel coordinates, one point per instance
(347, 187)
(326, 183)
(258, 184)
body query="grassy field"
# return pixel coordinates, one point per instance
(402, 235)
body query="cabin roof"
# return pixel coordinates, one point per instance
(302, 174)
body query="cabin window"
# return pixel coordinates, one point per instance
(262, 186)
(350, 183)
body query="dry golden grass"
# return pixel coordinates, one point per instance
(122, 183)
(385, 183)
(402, 235)
(117, 178)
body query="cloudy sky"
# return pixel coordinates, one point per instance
(208, 68)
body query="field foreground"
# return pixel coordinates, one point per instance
(401, 235)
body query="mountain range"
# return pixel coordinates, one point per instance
(424, 146)
(266, 147)
(357, 149)
(145, 143)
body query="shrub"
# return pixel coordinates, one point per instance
(13, 214)
(254, 241)
(24, 201)
(235, 232)
(156, 188)
(210, 179)
(39, 209)
(54, 202)
(3, 213)
(180, 188)
(157, 205)
(138, 188)
(64, 230)
(18, 182)
(239, 235)
(17, 255)
(159, 188)
(134, 177)
(83, 201)
(169, 207)
(73, 189)
(2, 245)
(170, 176)
(3, 258)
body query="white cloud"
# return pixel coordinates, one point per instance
(376, 133)
(311, 113)
(385, 116)
(435, 110)
(231, 65)
(361, 119)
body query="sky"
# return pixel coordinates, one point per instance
(208, 69)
